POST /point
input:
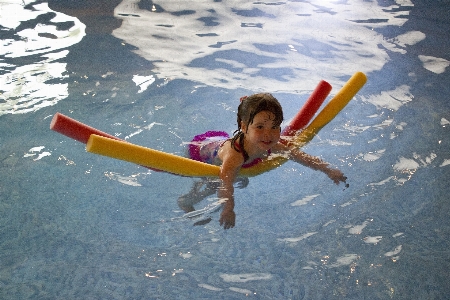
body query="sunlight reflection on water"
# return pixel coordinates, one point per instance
(295, 45)
(29, 87)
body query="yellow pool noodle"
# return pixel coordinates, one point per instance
(336, 104)
(339, 101)
(188, 167)
(149, 157)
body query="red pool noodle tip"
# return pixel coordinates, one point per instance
(309, 109)
(74, 129)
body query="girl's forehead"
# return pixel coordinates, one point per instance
(264, 116)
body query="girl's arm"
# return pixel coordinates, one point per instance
(231, 164)
(314, 163)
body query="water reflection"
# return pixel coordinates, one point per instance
(36, 29)
(33, 41)
(434, 64)
(391, 100)
(284, 46)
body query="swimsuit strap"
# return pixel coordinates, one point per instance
(253, 162)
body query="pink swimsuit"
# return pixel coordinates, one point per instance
(204, 147)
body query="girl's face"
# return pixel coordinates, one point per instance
(262, 134)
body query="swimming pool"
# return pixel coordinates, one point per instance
(79, 226)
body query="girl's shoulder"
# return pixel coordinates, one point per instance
(229, 154)
(227, 149)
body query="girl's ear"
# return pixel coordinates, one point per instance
(243, 126)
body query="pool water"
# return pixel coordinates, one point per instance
(74, 225)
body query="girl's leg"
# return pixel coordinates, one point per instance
(197, 194)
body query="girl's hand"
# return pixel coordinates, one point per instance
(227, 219)
(336, 175)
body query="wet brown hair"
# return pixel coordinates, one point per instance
(250, 106)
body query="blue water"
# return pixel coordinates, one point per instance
(74, 225)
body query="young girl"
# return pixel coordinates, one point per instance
(259, 118)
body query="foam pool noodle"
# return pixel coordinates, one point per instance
(187, 167)
(74, 129)
(336, 104)
(101, 143)
(308, 110)
(150, 158)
